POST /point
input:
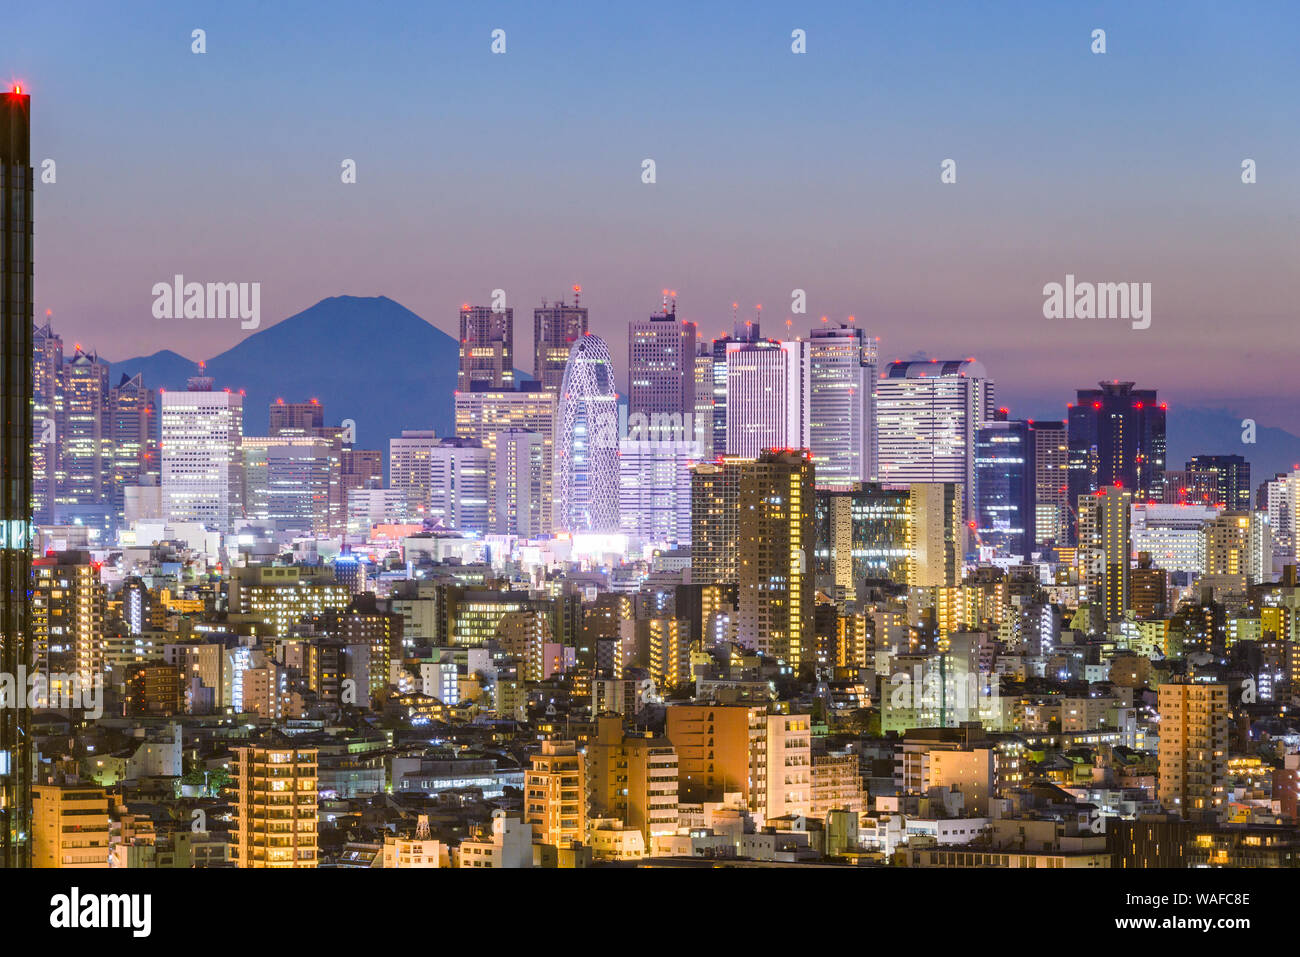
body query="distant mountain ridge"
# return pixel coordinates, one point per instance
(368, 359)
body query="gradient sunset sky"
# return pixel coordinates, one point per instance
(775, 171)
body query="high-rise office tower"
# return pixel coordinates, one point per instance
(743, 333)
(661, 365)
(1004, 487)
(704, 399)
(934, 534)
(85, 473)
(134, 425)
(1117, 439)
(15, 467)
(774, 553)
(1105, 518)
(767, 397)
(1049, 450)
(484, 414)
(458, 485)
(655, 488)
(295, 418)
(1220, 480)
(1194, 739)
(927, 414)
(1275, 497)
(556, 327)
(202, 468)
(275, 807)
(520, 472)
(47, 410)
(487, 347)
(289, 480)
(586, 444)
(410, 460)
(841, 405)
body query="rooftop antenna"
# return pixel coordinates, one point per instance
(577, 295)
(422, 828)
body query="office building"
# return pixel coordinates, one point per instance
(1117, 439)
(70, 826)
(927, 416)
(520, 472)
(556, 327)
(841, 405)
(655, 489)
(1049, 449)
(201, 463)
(487, 348)
(862, 535)
(483, 415)
(1005, 514)
(661, 366)
(934, 534)
(458, 486)
(1222, 480)
(767, 397)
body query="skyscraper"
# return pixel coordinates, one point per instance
(746, 332)
(295, 418)
(1117, 439)
(1105, 519)
(487, 347)
(841, 408)
(84, 477)
(458, 485)
(556, 327)
(410, 467)
(775, 555)
(927, 414)
(1220, 480)
(16, 194)
(661, 365)
(767, 397)
(47, 409)
(520, 471)
(1049, 450)
(483, 414)
(134, 426)
(1004, 483)
(202, 467)
(586, 446)
(655, 488)
(934, 534)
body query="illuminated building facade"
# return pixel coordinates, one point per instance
(586, 447)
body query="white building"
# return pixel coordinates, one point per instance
(841, 407)
(655, 489)
(927, 414)
(202, 478)
(458, 485)
(767, 396)
(521, 469)
(368, 507)
(1172, 534)
(409, 467)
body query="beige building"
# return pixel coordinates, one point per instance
(1193, 746)
(632, 778)
(275, 807)
(70, 826)
(555, 794)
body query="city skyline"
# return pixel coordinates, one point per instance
(892, 245)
